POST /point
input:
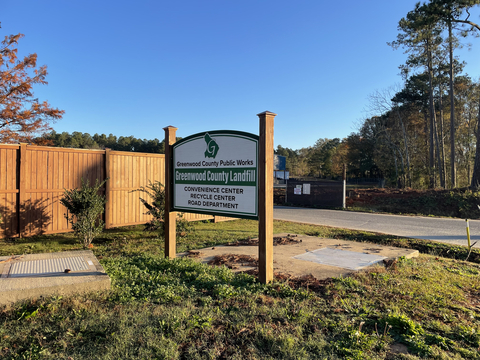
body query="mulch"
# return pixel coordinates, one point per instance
(308, 282)
(12, 258)
(277, 240)
(233, 261)
(193, 254)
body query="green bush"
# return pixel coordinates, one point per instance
(155, 204)
(84, 206)
(467, 202)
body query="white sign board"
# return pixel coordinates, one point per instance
(306, 189)
(216, 173)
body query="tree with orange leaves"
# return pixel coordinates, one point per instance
(22, 117)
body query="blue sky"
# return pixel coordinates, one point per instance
(134, 67)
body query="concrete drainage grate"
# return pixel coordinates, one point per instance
(47, 266)
(34, 276)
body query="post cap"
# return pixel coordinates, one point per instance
(267, 113)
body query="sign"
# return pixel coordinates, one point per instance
(216, 173)
(306, 189)
(297, 190)
(279, 162)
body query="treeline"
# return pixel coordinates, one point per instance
(326, 157)
(86, 141)
(425, 132)
(426, 129)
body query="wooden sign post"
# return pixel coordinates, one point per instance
(170, 216)
(265, 197)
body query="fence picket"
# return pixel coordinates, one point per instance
(33, 179)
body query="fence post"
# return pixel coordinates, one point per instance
(21, 206)
(108, 198)
(170, 217)
(265, 197)
(344, 198)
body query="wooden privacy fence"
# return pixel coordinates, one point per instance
(34, 178)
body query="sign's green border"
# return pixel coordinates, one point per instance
(231, 133)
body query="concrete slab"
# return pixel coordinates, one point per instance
(346, 259)
(40, 275)
(286, 257)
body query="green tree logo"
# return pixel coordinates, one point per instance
(212, 147)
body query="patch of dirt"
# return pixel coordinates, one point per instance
(390, 263)
(277, 240)
(233, 261)
(372, 250)
(308, 282)
(398, 348)
(305, 281)
(12, 258)
(193, 254)
(472, 300)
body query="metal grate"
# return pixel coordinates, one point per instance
(47, 266)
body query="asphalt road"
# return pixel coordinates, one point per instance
(451, 231)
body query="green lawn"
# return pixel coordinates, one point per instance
(180, 309)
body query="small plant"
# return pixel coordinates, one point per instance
(155, 204)
(84, 206)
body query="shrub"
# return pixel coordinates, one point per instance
(84, 206)
(155, 204)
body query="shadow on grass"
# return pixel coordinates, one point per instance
(60, 239)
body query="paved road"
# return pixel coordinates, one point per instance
(451, 231)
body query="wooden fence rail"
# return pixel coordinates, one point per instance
(34, 178)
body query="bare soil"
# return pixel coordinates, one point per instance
(235, 261)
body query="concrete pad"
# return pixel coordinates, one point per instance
(351, 260)
(288, 259)
(40, 275)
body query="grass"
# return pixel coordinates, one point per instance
(180, 309)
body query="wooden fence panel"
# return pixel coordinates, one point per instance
(9, 176)
(223, 218)
(197, 217)
(34, 178)
(128, 171)
(48, 172)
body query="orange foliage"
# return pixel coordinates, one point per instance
(22, 117)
